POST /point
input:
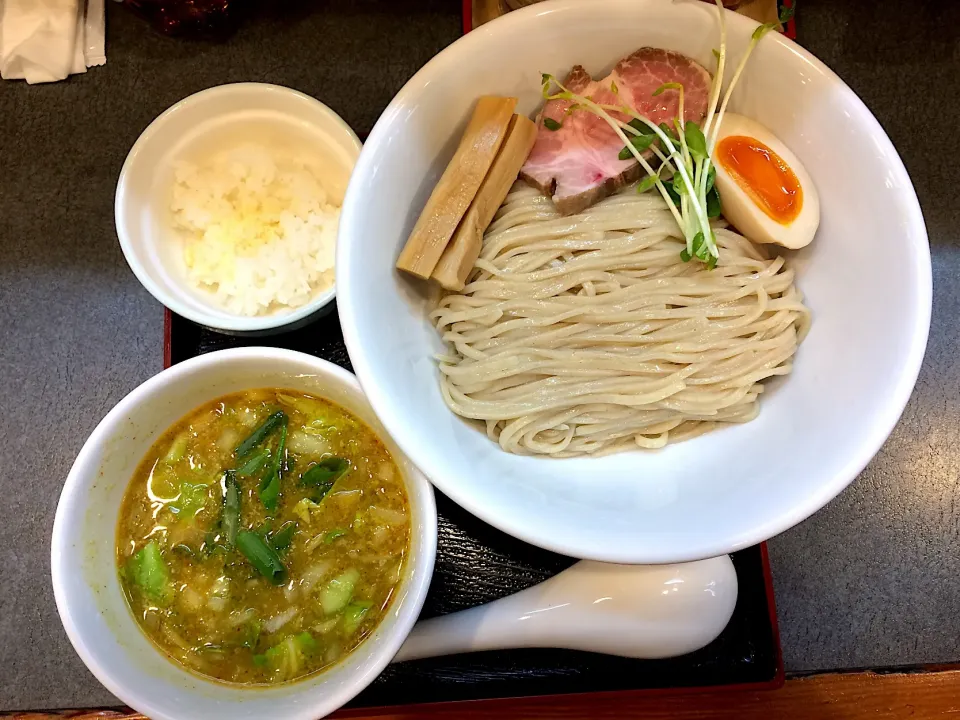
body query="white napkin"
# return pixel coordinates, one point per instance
(46, 40)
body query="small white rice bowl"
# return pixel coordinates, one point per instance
(256, 228)
(227, 207)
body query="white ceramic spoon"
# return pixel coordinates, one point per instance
(638, 611)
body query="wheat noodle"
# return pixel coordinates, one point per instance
(588, 334)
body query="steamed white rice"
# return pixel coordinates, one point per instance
(258, 231)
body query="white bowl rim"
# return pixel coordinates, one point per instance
(231, 323)
(419, 581)
(405, 435)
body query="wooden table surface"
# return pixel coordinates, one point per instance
(926, 693)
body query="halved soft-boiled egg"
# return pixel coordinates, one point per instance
(764, 190)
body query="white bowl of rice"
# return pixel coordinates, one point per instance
(228, 204)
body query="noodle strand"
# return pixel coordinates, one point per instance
(588, 334)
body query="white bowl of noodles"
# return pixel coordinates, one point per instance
(866, 280)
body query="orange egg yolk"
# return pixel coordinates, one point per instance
(763, 175)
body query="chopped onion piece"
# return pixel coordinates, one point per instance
(332, 653)
(301, 442)
(314, 574)
(228, 440)
(217, 603)
(326, 626)
(242, 617)
(387, 516)
(175, 638)
(386, 471)
(278, 621)
(190, 600)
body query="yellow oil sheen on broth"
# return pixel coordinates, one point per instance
(262, 538)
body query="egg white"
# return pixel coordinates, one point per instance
(741, 210)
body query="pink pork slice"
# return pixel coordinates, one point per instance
(578, 164)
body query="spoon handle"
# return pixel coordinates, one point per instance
(641, 611)
(479, 628)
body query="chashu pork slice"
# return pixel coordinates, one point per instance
(577, 164)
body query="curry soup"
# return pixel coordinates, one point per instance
(263, 537)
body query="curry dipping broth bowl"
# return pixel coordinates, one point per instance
(866, 278)
(92, 607)
(193, 130)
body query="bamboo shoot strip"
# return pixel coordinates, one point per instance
(462, 252)
(457, 186)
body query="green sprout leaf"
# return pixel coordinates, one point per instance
(786, 14)
(679, 187)
(714, 208)
(698, 245)
(641, 127)
(701, 248)
(667, 86)
(546, 82)
(668, 131)
(763, 30)
(647, 183)
(696, 142)
(685, 256)
(640, 142)
(571, 109)
(671, 192)
(551, 124)
(716, 54)
(711, 177)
